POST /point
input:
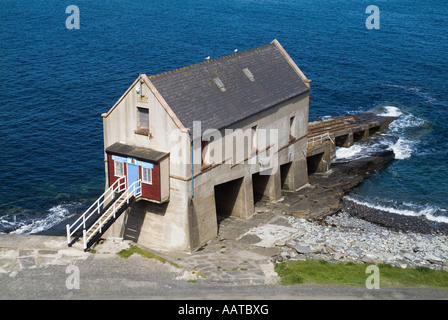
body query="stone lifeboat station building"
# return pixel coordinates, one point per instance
(204, 142)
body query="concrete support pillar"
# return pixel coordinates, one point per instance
(203, 224)
(366, 134)
(244, 203)
(324, 163)
(296, 174)
(273, 187)
(348, 141)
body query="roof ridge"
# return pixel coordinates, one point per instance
(209, 61)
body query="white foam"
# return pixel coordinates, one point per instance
(391, 111)
(404, 146)
(56, 214)
(349, 153)
(404, 122)
(402, 149)
(412, 210)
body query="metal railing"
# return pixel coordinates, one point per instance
(318, 139)
(134, 190)
(118, 186)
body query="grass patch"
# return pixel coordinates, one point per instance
(352, 274)
(126, 253)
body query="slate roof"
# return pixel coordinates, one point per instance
(145, 154)
(193, 95)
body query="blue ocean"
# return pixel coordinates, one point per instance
(55, 82)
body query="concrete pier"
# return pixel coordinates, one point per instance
(343, 131)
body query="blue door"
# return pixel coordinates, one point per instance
(132, 175)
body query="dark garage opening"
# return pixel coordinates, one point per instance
(226, 195)
(313, 163)
(357, 136)
(259, 183)
(374, 130)
(284, 170)
(341, 140)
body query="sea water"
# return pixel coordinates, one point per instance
(55, 83)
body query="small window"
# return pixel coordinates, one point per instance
(254, 141)
(204, 156)
(147, 175)
(143, 119)
(292, 128)
(220, 84)
(249, 74)
(119, 168)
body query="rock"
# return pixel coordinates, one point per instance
(317, 249)
(292, 253)
(302, 249)
(433, 259)
(290, 243)
(329, 248)
(337, 256)
(408, 256)
(284, 255)
(280, 243)
(402, 264)
(363, 167)
(348, 259)
(366, 259)
(386, 256)
(303, 243)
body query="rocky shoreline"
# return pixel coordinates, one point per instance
(392, 221)
(343, 237)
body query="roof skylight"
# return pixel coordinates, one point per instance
(219, 83)
(248, 74)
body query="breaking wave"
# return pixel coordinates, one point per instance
(391, 111)
(432, 213)
(32, 225)
(397, 138)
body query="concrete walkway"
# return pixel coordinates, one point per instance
(233, 257)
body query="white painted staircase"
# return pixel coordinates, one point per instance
(89, 227)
